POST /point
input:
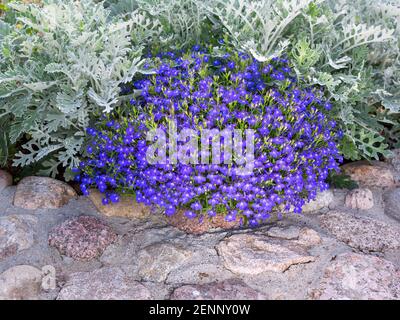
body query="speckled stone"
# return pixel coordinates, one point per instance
(108, 283)
(353, 276)
(361, 233)
(42, 193)
(232, 289)
(20, 283)
(361, 198)
(82, 238)
(17, 232)
(251, 254)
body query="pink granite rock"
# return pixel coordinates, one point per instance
(354, 276)
(82, 238)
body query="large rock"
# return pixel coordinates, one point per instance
(42, 193)
(156, 261)
(354, 276)
(5, 179)
(82, 238)
(361, 233)
(251, 254)
(392, 203)
(110, 283)
(232, 289)
(395, 159)
(127, 207)
(361, 198)
(16, 234)
(370, 174)
(200, 226)
(323, 200)
(20, 283)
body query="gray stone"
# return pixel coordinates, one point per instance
(5, 179)
(82, 238)
(322, 200)
(395, 159)
(303, 236)
(110, 283)
(361, 198)
(42, 193)
(288, 233)
(361, 233)
(232, 289)
(156, 261)
(199, 273)
(16, 233)
(20, 283)
(250, 254)
(392, 203)
(354, 276)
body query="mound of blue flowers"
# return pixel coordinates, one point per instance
(295, 141)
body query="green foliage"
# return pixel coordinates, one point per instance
(351, 47)
(61, 63)
(341, 181)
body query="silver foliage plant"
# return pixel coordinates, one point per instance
(349, 46)
(181, 22)
(61, 63)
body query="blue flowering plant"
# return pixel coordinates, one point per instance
(284, 140)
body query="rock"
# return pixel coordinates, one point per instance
(110, 283)
(370, 174)
(156, 261)
(127, 207)
(322, 200)
(250, 254)
(199, 273)
(82, 238)
(232, 289)
(353, 276)
(42, 193)
(20, 283)
(195, 226)
(395, 159)
(16, 234)
(361, 198)
(303, 236)
(308, 237)
(5, 179)
(391, 199)
(288, 233)
(361, 233)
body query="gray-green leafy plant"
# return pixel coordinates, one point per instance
(61, 64)
(181, 22)
(349, 46)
